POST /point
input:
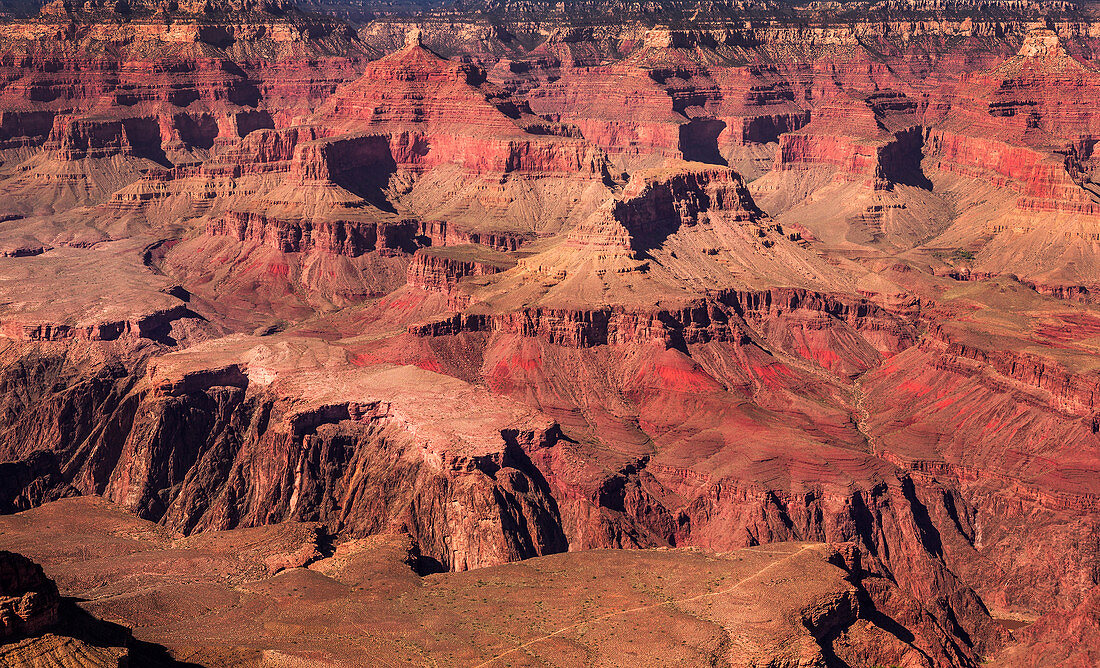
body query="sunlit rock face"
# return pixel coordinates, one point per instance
(310, 313)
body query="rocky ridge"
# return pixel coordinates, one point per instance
(597, 287)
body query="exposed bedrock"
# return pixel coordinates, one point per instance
(339, 237)
(733, 315)
(31, 481)
(593, 327)
(1071, 638)
(680, 487)
(877, 140)
(211, 445)
(1016, 435)
(83, 137)
(77, 395)
(216, 459)
(417, 150)
(653, 208)
(1044, 182)
(243, 432)
(38, 627)
(506, 335)
(442, 233)
(889, 520)
(441, 269)
(24, 127)
(1073, 392)
(28, 599)
(154, 325)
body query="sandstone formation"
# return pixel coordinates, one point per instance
(30, 599)
(788, 312)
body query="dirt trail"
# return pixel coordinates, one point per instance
(651, 606)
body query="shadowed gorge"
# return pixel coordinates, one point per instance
(511, 333)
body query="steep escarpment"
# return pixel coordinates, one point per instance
(1021, 128)
(198, 443)
(338, 237)
(735, 316)
(1032, 463)
(665, 472)
(117, 95)
(314, 306)
(58, 295)
(876, 140)
(38, 627)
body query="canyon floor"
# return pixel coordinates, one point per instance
(732, 334)
(221, 599)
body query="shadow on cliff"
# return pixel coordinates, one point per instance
(872, 614)
(901, 160)
(75, 622)
(664, 221)
(548, 537)
(31, 481)
(369, 181)
(699, 141)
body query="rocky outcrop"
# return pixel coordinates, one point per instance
(1061, 389)
(339, 237)
(39, 628)
(1068, 637)
(78, 138)
(31, 481)
(146, 326)
(730, 317)
(887, 520)
(1014, 432)
(442, 112)
(336, 467)
(1044, 182)
(792, 602)
(138, 305)
(877, 140)
(442, 233)
(576, 328)
(28, 599)
(440, 270)
(201, 444)
(651, 208)
(521, 300)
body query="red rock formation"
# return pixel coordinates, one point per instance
(440, 270)
(28, 599)
(465, 120)
(507, 338)
(1066, 637)
(339, 237)
(874, 141)
(204, 433)
(1025, 410)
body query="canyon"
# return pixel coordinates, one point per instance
(510, 334)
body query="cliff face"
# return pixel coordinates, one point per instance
(334, 465)
(28, 599)
(876, 141)
(199, 447)
(201, 443)
(605, 285)
(338, 237)
(1026, 409)
(678, 488)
